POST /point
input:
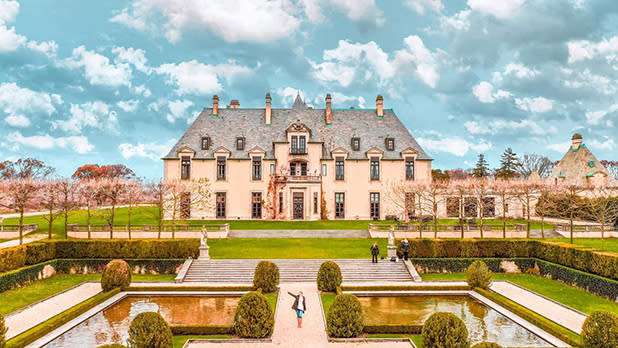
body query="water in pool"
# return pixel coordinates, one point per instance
(112, 324)
(483, 323)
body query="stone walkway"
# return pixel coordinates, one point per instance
(31, 316)
(286, 334)
(29, 239)
(558, 313)
(299, 234)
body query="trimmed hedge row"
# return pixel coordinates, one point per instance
(18, 277)
(460, 265)
(189, 288)
(405, 288)
(393, 329)
(202, 330)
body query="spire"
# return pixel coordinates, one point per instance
(298, 102)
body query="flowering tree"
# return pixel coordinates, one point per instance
(526, 192)
(21, 194)
(49, 199)
(90, 194)
(503, 189)
(276, 184)
(133, 194)
(156, 192)
(112, 191)
(93, 171)
(602, 205)
(68, 200)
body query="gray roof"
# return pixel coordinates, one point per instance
(249, 123)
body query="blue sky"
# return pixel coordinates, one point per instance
(119, 81)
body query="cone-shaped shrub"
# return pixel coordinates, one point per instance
(266, 276)
(487, 345)
(445, 330)
(3, 330)
(329, 276)
(116, 274)
(600, 330)
(478, 275)
(149, 330)
(345, 317)
(254, 317)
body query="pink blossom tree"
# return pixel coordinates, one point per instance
(21, 195)
(68, 200)
(503, 189)
(112, 190)
(49, 199)
(90, 194)
(133, 195)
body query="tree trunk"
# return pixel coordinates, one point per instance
(542, 226)
(111, 224)
(50, 222)
(129, 221)
(503, 220)
(571, 225)
(89, 220)
(602, 236)
(527, 217)
(21, 226)
(66, 223)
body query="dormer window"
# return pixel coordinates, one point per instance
(185, 167)
(240, 143)
(355, 144)
(205, 143)
(390, 144)
(298, 145)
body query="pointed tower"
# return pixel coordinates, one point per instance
(298, 102)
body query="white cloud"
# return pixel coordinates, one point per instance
(559, 147)
(178, 109)
(128, 105)
(143, 90)
(460, 21)
(484, 92)
(515, 69)
(9, 40)
(79, 144)
(137, 57)
(154, 151)
(8, 11)
(356, 10)
(17, 120)
(241, 20)
(538, 104)
(594, 117)
(584, 49)
(501, 9)
(607, 144)
(502, 127)
(16, 102)
(419, 6)
(98, 70)
(454, 145)
(92, 114)
(196, 78)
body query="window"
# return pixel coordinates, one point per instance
(256, 205)
(205, 143)
(185, 167)
(240, 143)
(374, 205)
(409, 168)
(489, 207)
(339, 168)
(303, 169)
(390, 144)
(280, 202)
(299, 144)
(220, 205)
(452, 207)
(185, 205)
(470, 207)
(315, 202)
(257, 168)
(339, 205)
(272, 169)
(298, 168)
(302, 144)
(221, 168)
(355, 144)
(294, 144)
(375, 168)
(323, 169)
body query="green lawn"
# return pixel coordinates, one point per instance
(18, 298)
(327, 300)
(557, 291)
(611, 244)
(180, 341)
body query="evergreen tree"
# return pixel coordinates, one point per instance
(482, 168)
(509, 164)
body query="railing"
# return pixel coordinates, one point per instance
(298, 151)
(583, 228)
(445, 231)
(27, 228)
(150, 228)
(303, 178)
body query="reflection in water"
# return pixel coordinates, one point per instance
(112, 324)
(483, 323)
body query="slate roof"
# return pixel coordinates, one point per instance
(249, 123)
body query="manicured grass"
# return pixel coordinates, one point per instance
(294, 248)
(327, 300)
(557, 291)
(18, 298)
(180, 341)
(611, 244)
(272, 300)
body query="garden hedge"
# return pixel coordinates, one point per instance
(266, 276)
(117, 274)
(254, 318)
(198, 330)
(345, 317)
(150, 330)
(393, 329)
(445, 330)
(329, 276)
(600, 330)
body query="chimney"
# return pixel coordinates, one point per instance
(234, 104)
(329, 110)
(380, 106)
(215, 105)
(268, 111)
(577, 141)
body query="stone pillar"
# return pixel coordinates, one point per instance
(392, 248)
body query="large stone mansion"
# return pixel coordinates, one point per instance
(302, 163)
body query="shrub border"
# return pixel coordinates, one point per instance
(360, 288)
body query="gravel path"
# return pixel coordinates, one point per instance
(29, 239)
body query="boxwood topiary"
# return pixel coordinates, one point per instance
(149, 330)
(345, 317)
(487, 345)
(600, 330)
(116, 274)
(445, 330)
(266, 276)
(478, 275)
(254, 317)
(329, 276)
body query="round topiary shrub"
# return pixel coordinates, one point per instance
(113, 345)
(487, 345)
(600, 330)
(345, 317)
(445, 330)
(329, 276)
(478, 275)
(254, 317)
(3, 331)
(117, 273)
(149, 330)
(266, 276)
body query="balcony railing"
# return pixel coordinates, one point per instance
(298, 151)
(300, 178)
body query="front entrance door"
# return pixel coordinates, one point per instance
(299, 207)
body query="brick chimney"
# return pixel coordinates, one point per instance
(577, 140)
(380, 106)
(329, 110)
(234, 104)
(215, 105)
(268, 110)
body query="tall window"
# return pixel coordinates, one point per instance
(221, 168)
(489, 207)
(339, 205)
(185, 205)
(298, 168)
(374, 205)
(220, 205)
(294, 144)
(409, 168)
(256, 205)
(257, 168)
(339, 168)
(315, 202)
(355, 144)
(471, 207)
(302, 144)
(272, 169)
(240, 143)
(280, 202)
(205, 143)
(185, 167)
(375, 168)
(390, 144)
(324, 169)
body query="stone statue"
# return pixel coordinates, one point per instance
(391, 236)
(203, 237)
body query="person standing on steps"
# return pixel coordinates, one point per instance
(405, 248)
(300, 306)
(375, 251)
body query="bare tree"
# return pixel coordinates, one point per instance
(49, 199)
(133, 195)
(156, 193)
(68, 200)
(113, 190)
(504, 191)
(184, 195)
(25, 168)
(481, 189)
(462, 189)
(603, 207)
(545, 206)
(531, 162)
(526, 192)
(612, 167)
(90, 194)
(21, 195)
(571, 192)
(433, 196)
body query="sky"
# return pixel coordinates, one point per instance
(113, 81)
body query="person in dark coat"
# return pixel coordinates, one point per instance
(375, 251)
(300, 306)
(405, 248)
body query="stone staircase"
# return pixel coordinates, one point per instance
(303, 270)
